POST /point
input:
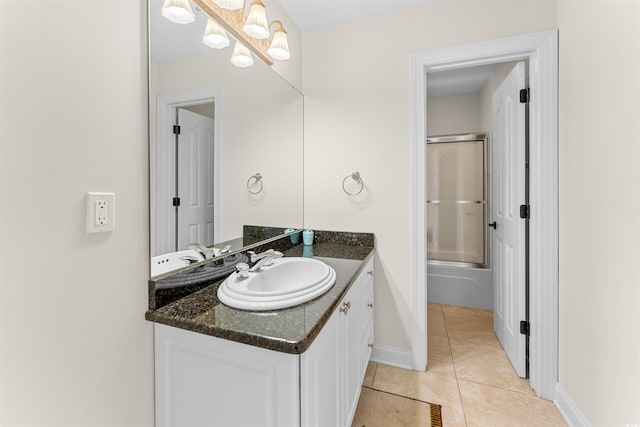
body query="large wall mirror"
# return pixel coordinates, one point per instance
(238, 157)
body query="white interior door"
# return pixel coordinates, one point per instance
(508, 193)
(195, 179)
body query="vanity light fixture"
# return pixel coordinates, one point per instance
(178, 11)
(241, 56)
(230, 4)
(215, 36)
(226, 20)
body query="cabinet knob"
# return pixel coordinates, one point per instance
(370, 305)
(370, 272)
(370, 345)
(345, 307)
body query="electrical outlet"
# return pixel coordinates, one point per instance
(100, 212)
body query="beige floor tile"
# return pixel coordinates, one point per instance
(470, 327)
(379, 409)
(369, 374)
(434, 306)
(435, 323)
(430, 386)
(486, 364)
(460, 321)
(467, 310)
(438, 348)
(442, 367)
(489, 406)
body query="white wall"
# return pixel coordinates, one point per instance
(357, 110)
(75, 348)
(454, 114)
(600, 209)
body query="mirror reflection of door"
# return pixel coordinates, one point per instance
(195, 176)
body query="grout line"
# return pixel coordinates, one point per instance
(375, 371)
(401, 396)
(455, 371)
(500, 388)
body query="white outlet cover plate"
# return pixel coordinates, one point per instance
(92, 223)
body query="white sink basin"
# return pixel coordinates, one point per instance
(285, 283)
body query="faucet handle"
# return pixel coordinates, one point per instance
(242, 269)
(190, 259)
(202, 250)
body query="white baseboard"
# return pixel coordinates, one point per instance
(569, 411)
(392, 356)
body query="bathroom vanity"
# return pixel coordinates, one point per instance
(299, 366)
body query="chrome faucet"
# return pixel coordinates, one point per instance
(206, 252)
(264, 258)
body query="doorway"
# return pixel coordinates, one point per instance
(540, 50)
(476, 182)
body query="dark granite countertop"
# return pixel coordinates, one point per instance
(290, 330)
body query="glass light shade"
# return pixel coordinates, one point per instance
(241, 56)
(279, 48)
(230, 4)
(178, 11)
(215, 36)
(256, 24)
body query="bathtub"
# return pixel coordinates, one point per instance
(461, 286)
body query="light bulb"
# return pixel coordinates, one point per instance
(241, 56)
(215, 36)
(178, 11)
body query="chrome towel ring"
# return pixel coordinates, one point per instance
(253, 181)
(358, 179)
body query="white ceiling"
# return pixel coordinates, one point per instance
(313, 14)
(459, 82)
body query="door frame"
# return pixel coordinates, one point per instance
(541, 50)
(166, 104)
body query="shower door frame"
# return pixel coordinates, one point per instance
(541, 50)
(486, 190)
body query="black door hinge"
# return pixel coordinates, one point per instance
(176, 201)
(524, 96)
(524, 327)
(524, 211)
(176, 129)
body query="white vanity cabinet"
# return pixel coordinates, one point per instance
(204, 380)
(333, 368)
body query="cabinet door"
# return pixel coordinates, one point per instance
(321, 377)
(366, 322)
(351, 337)
(207, 381)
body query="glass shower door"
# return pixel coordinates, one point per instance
(457, 200)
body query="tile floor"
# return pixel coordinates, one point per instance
(469, 374)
